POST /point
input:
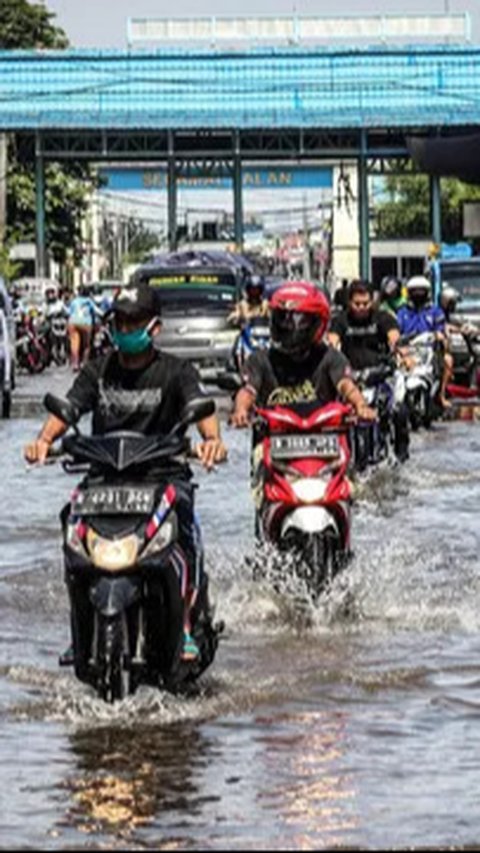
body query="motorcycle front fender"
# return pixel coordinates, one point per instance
(309, 519)
(111, 596)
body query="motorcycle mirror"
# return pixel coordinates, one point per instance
(62, 409)
(196, 410)
(229, 382)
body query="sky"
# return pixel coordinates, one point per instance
(103, 23)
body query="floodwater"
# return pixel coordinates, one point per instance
(360, 729)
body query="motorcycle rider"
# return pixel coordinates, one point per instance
(82, 314)
(420, 315)
(367, 335)
(253, 303)
(54, 305)
(138, 387)
(298, 366)
(391, 297)
(363, 333)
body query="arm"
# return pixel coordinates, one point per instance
(212, 448)
(37, 451)
(244, 403)
(352, 394)
(82, 395)
(334, 340)
(393, 337)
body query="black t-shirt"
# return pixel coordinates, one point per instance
(278, 380)
(364, 344)
(149, 400)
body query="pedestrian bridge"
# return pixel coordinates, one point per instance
(204, 111)
(264, 88)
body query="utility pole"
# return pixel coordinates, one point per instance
(307, 272)
(3, 187)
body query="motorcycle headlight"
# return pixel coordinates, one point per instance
(311, 489)
(112, 555)
(220, 339)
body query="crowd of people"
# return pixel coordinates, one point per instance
(313, 356)
(62, 322)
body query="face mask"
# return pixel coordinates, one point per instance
(133, 343)
(419, 299)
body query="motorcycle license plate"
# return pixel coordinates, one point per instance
(300, 446)
(115, 500)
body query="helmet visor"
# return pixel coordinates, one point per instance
(293, 331)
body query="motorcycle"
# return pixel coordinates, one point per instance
(300, 461)
(58, 339)
(126, 571)
(466, 379)
(102, 342)
(32, 351)
(388, 438)
(424, 380)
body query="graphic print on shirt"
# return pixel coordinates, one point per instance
(285, 395)
(121, 402)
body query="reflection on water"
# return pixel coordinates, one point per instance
(127, 778)
(304, 737)
(311, 792)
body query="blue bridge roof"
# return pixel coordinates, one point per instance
(268, 88)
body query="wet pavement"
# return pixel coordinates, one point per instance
(359, 730)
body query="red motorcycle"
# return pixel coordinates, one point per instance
(303, 496)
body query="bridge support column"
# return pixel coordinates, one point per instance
(363, 209)
(436, 209)
(238, 193)
(41, 253)
(172, 195)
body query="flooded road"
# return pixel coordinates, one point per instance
(360, 731)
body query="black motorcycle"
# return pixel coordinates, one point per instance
(383, 388)
(126, 571)
(58, 339)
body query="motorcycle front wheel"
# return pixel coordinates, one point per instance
(113, 653)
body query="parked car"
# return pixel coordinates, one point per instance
(196, 302)
(7, 351)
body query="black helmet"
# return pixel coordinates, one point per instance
(255, 288)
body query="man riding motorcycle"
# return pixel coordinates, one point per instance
(364, 334)
(139, 388)
(298, 366)
(391, 297)
(420, 315)
(367, 336)
(253, 303)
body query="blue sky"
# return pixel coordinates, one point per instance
(102, 23)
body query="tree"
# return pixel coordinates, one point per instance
(28, 25)
(67, 187)
(405, 212)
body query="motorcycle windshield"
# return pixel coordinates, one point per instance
(123, 450)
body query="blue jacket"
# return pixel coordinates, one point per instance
(414, 322)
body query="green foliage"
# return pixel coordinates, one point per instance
(405, 213)
(28, 25)
(9, 269)
(68, 187)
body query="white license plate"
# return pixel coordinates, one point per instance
(305, 446)
(114, 500)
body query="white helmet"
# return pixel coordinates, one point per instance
(449, 298)
(419, 282)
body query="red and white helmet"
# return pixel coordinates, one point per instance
(299, 316)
